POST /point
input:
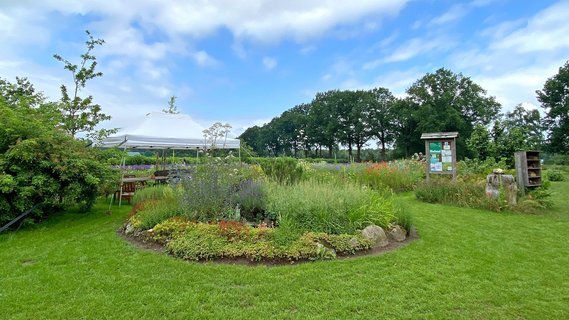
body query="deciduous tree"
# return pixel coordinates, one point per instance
(81, 114)
(554, 98)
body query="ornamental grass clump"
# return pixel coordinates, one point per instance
(460, 193)
(283, 170)
(399, 176)
(330, 208)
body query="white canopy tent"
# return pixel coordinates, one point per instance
(166, 131)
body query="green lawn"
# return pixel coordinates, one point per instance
(467, 264)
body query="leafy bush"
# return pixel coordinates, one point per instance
(335, 209)
(39, 161)
(480, 167)
(560, 159)
(554, 175)
(282, 170)
(40, 164)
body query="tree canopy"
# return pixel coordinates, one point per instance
(554, 99)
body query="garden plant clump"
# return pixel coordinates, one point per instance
(223, 209)
(469, 191)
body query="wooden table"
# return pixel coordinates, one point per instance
(144, 179)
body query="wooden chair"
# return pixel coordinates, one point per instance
(161, 174)
(128, 190)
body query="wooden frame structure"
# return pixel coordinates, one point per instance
(528, 169)
(440, 151)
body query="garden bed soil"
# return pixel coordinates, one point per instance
(150, 245)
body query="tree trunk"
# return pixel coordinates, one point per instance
(382, 139)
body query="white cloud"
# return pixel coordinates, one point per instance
(203, 59)
(269, 63)
(520, 56)
(308, 49)
(513, 87)
(546, 31)
(500, 30)
(411, 49)
(259, 20)
(455, 12)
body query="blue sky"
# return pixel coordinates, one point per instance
(244, 62)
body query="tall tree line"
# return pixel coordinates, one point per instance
(439, 101)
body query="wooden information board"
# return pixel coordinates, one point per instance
(440, 148)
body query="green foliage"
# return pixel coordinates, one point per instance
(471, 193)
(215, 190)
(446, 101)
(560, 159)
(403, 217)
(81, 114)
(554, 175)
(282, 170)
(554, 100)
(478, 167)
(172, 108)
(458, 193)
(250, 196)
(158, 192)
(335, 209)
(479, 143)
(153, 212)
(41, 164)
(231, 239)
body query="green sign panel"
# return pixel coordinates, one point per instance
(440, 156)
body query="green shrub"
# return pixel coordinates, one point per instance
(479, 167)
(560, 159)
(41, 164)
(282, 170)
(554, 175)
(459, 193)
(335, 209)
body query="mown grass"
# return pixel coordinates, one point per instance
(467, 264)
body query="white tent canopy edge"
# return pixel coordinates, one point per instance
(166, 131)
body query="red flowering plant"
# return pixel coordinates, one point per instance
(400, 175)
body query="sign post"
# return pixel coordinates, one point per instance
(440, 149)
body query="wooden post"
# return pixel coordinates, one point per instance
(428, 159)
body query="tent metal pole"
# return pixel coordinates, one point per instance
(122, 177)
(240, 153)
